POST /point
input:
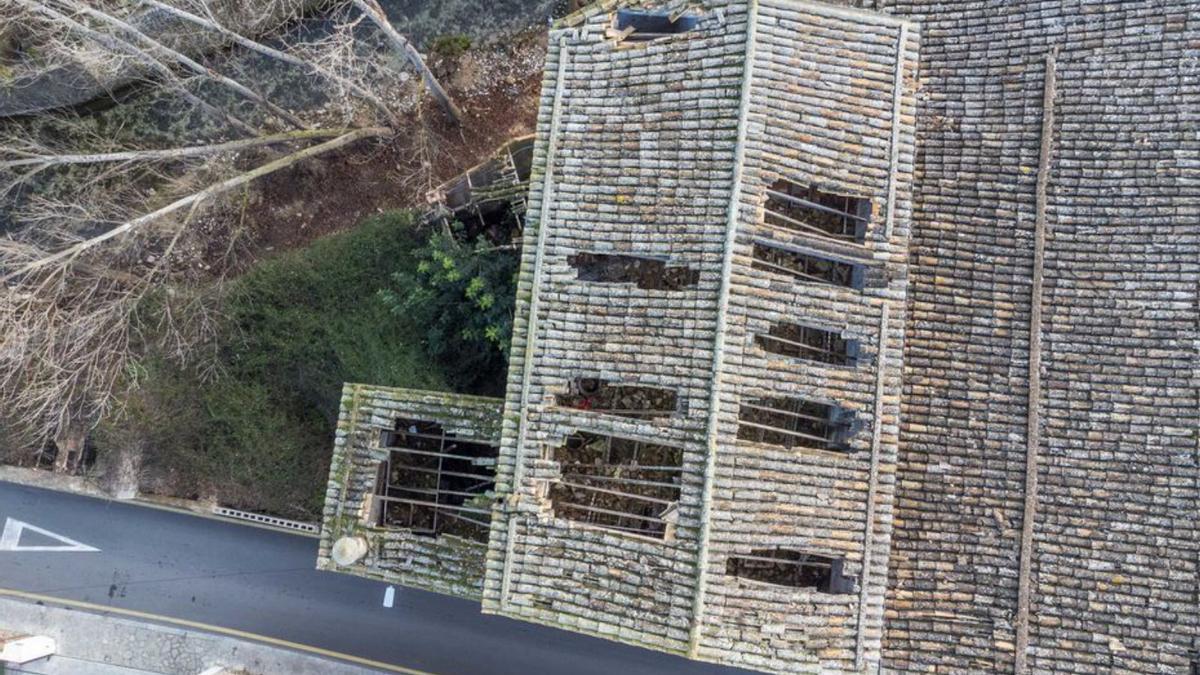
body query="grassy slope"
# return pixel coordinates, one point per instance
(302, 324)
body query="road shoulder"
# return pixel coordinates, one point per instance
(89, 640)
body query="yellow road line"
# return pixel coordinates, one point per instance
(51, 600)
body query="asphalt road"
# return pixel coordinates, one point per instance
(264, 582)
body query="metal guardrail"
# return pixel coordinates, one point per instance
(269, 521)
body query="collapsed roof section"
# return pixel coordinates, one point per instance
(720, 211)
(491, 197)
(411, 487)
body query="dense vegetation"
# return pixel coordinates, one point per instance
(462, 296)
(299, 325)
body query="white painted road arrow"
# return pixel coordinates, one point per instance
(10, 540)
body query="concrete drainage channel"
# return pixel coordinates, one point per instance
(269, 521)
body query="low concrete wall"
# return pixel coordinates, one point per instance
(51, 481)
(95, 643)
(83, 485)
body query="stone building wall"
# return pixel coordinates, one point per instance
(445, 563)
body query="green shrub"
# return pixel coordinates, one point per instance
(450, 46)
(310, 320)
(463, 296)
(300, 325)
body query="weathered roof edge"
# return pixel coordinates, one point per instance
(582, 14)
(409, 393)
(588, 11)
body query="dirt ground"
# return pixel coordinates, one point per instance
(496, 85)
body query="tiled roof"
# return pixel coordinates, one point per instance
(668, 149)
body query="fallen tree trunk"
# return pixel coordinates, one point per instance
(38, 160)
(195, 200)
(372, 10)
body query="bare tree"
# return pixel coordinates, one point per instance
(322, 63)
(165, 55)
(372, 10)
(102, 254)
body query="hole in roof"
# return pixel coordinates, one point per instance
(790, 567)
(651, 274)
(434, 483)
(622, 400)
(797, 422)
(809, 343)
(619, 484)
(807, 267)
(809, 210)
(641, 25)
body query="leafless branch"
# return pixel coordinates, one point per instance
(122, 47)
(253, 45)
(164, 53)
(372, 10)
(204, 195)
(29, 158)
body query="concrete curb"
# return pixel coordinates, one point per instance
(81, 485)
